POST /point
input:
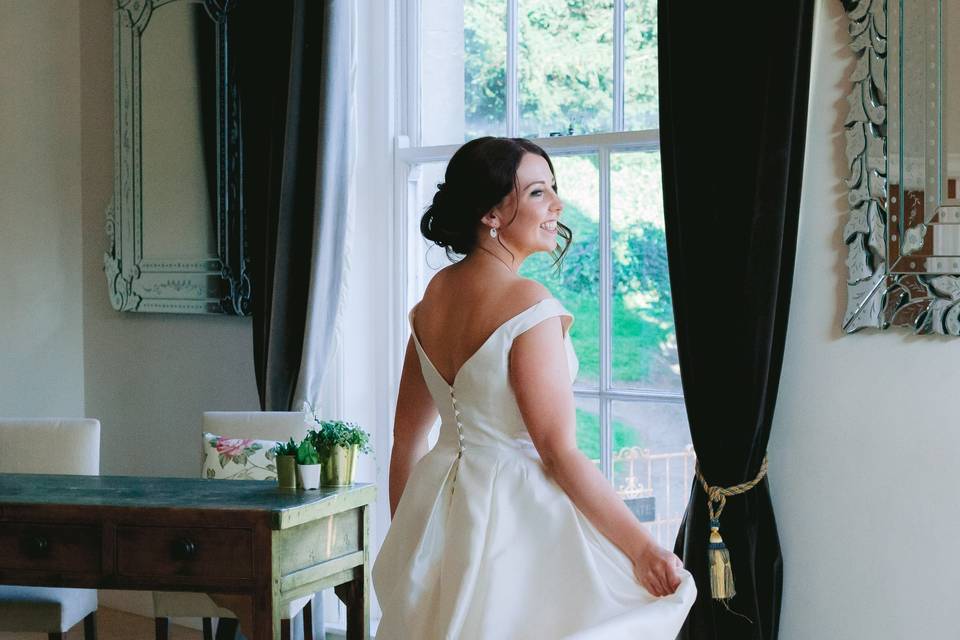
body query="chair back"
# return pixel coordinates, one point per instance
(259, 425)
(50, 445)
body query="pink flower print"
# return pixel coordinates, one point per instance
(232, 447)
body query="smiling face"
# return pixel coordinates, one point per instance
(527, 218)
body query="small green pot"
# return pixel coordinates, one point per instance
(287, 472)
(339, 466)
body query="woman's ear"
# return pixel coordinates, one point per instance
(491, 218)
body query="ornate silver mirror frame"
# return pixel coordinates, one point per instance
(167, 277)
(903, 229)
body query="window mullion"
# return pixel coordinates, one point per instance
(606, 273)
(619, 58)
(412, 77)
(513, 82)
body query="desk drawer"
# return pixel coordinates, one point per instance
(63, 548)
(169, 551)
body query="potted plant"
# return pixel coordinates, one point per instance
(286, 453)
(308, 465)
(339, 444)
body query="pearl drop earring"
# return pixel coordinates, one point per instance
(493, 232)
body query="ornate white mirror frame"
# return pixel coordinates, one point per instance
(170, 252)
(903, 229)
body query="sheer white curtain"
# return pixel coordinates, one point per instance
(333, 216)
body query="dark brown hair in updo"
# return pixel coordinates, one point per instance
(479, 176)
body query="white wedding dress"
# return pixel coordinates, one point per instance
(484, 545)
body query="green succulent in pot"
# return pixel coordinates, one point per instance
(286, 457)
(307, 452)
(286, 448)
(308, 464)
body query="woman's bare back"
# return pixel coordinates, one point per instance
(463, 305)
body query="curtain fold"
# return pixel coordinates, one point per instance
(733, 110)
(295, 84)
(336, 151)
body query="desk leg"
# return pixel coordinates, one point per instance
(355, 594)
(266, 619)
(265, 623)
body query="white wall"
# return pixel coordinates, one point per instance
(41, 324)
(865, 437)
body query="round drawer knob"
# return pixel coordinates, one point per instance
(37, 545)
(184, 549)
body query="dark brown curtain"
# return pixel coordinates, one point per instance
(280, 66)
(733, 108)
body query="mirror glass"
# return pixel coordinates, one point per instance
(924, 230)
(179, 121)
(950, 117)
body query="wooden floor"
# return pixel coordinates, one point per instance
(115, 625)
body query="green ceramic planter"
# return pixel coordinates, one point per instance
(339, 466)
(287, 472)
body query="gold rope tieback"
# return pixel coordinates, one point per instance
(721, 573)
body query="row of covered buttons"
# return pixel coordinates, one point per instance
(456, 415)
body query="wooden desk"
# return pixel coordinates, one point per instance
(177, 534)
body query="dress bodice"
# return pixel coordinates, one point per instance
(480, 407)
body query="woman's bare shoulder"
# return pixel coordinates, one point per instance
(515, 294)
(525, 292)
(437, 284)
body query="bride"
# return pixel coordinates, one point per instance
(505, 529)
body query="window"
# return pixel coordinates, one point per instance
(579, 77)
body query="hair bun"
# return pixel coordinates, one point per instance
(441, 225)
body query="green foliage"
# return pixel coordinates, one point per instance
(485, 66)
(307, 453)
(337, 433)
(588, 435)
(565, 66)
(285, 448)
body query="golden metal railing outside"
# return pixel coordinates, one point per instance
(667, 477)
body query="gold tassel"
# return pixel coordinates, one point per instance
(721, 573)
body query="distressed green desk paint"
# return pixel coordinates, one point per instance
(182, 534)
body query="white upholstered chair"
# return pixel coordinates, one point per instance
(257, 425)
(38, 445)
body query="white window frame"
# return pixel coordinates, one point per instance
(409, 155)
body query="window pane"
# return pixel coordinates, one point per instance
(565, 66)
(441, 72)
(653, 458)
(462, 70)
(485, 69)
(644, 341)
(641, 96)
(577, 285)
